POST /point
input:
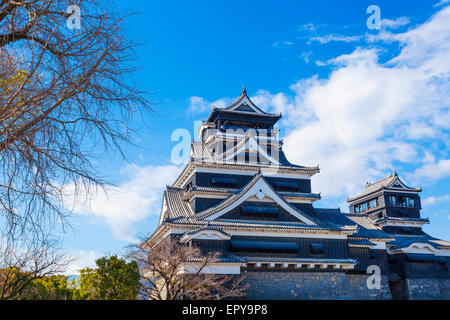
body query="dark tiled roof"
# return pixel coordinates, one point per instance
(366, 229)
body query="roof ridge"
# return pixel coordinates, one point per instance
(379, 180)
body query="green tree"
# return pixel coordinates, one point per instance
(49, 288)
(113, 279)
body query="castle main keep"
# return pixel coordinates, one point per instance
(241, 196)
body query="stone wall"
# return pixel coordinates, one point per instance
(428, 289)
(312, 286)
(444, 286)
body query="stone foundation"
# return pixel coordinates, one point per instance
(428, 289)
(312, 286)
(444, 287)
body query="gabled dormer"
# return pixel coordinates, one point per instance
(242, 114)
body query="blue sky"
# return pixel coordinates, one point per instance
(358, 102)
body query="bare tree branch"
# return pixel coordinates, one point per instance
(174, 271)
(67, 98)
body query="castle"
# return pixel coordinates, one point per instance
(241, 196)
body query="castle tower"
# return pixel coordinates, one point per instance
(391, 205)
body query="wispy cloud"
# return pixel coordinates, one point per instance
(82, 259)
(433, 171)
(441, 3)
(306, 56)
(334, 38)
(308, 27)
(200, 105)
(431, 201)
(311, 27)
(280, 44)
(395, 23)
(137, 198)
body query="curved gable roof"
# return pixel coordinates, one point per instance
(258, 185)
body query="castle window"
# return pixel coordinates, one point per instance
(405, 202)
(361, 207)
(316, 248)
(409, 202)
(392, 200)
(223, 182)
(373, 203)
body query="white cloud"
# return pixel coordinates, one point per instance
(306, 56)
(394, 24)
(334, 38)
(308, 27)
(200, 105)
(128, 203)
(441, 3)
(425, 48)
(431, 201)
(433, 171)
(279, 44)
(311, 27)
(367, 116)
(82, 259)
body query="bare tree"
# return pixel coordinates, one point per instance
(67, 97)
(174, 271)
